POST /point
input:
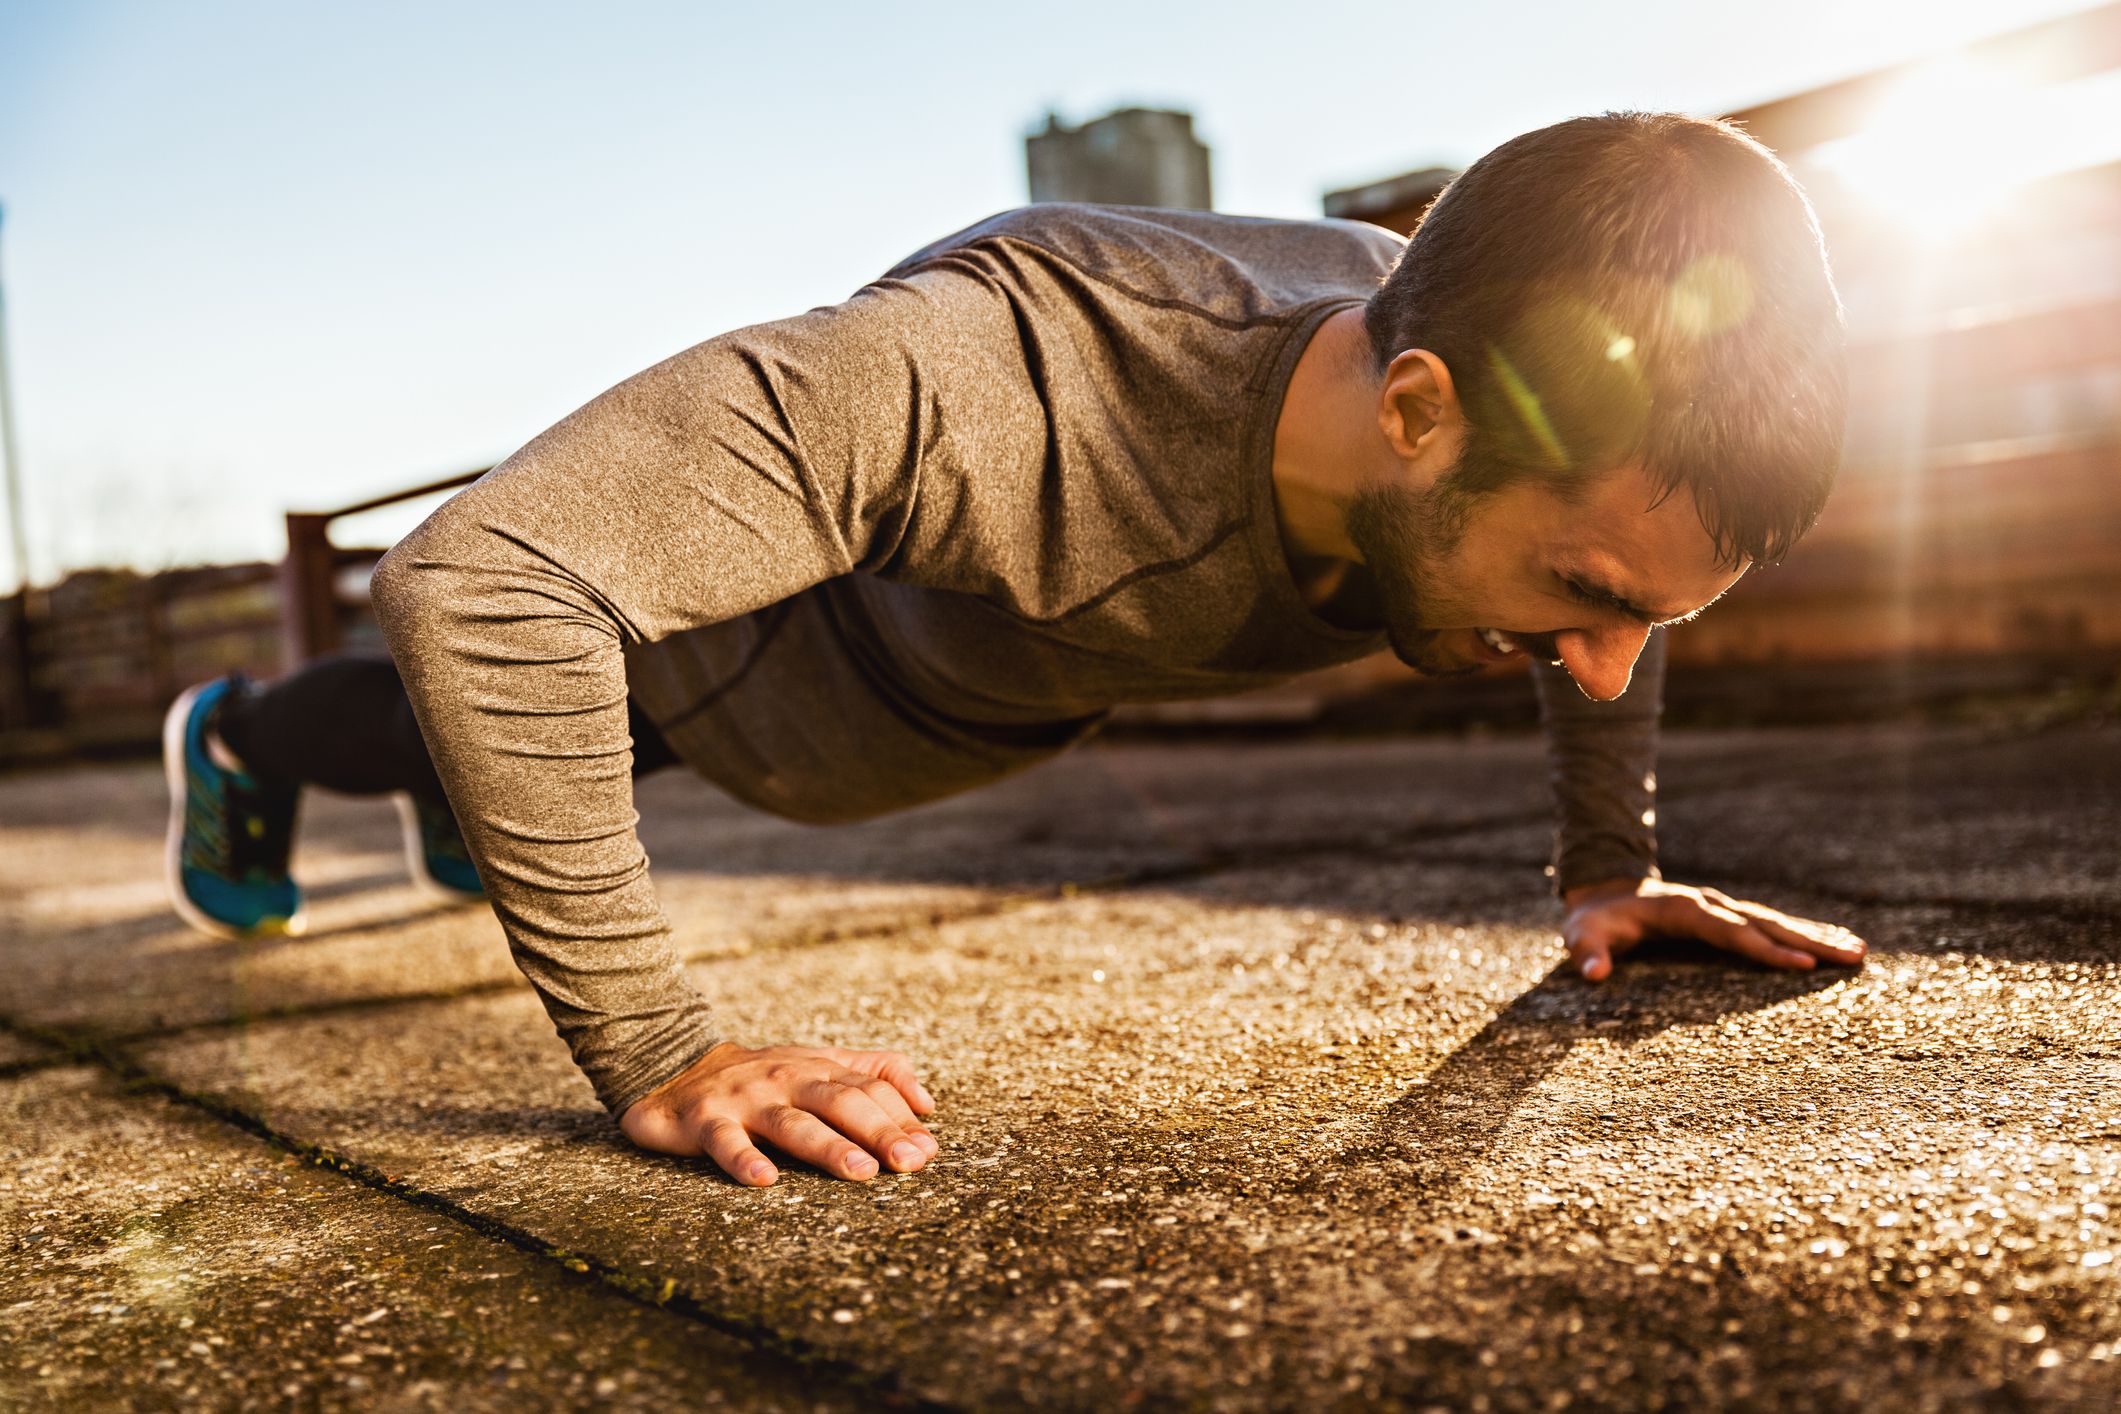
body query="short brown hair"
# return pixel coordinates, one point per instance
(1634, 285)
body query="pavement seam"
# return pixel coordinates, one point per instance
(30, 1065)
(649, 1290)
(658, 1293)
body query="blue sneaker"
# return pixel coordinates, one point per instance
(230, 832)
(434, 847)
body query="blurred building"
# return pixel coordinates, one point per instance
(1974, 540)
(1132, 157)
(1979, 506)
(1396, 202)
(1978, 513)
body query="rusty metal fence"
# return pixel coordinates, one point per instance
(90, 664)
(324, 587)
(96, 658)
(1978, 520)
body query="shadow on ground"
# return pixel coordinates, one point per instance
(1261, 1086)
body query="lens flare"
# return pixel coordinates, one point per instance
(1712, 296)
(1530, 411)
(1949, 143)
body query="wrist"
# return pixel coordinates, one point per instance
(1623, 886)
(713, 1058)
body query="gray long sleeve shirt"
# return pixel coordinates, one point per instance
(1025, 475)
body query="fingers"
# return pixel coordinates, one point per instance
(893, 1104)
(725, 1142)
(1726, 928)
(806, 1137)
(1598, 932)
(1828, 941)
(891, 1067)
(1593, 958)
(1596, 941)
(858, 1116)
(847, 1112)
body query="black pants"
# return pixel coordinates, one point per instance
(344, 723)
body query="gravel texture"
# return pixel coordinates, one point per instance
(1261, 1086)
(159, 1259)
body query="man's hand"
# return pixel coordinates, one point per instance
(1606, 920)
(827, 1106)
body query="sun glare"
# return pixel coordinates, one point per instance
(1949, 143)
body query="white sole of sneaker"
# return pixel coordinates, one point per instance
(173, 724)
(416, 857)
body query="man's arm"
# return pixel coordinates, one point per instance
(1602, 758)
(1602, 765)
(729, 477)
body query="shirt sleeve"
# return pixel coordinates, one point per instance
(727, 478)
(1602, 762)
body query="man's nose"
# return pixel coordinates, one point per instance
(1601, 660)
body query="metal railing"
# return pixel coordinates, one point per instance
(322, 585)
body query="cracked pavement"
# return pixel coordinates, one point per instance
(1261, 1086)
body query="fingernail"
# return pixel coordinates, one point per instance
(760, 1173)
(922, 1091)
(905, 1155)
(861, 1166)
(927, 1143)
(1586, 968)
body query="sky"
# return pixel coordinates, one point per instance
(261, 256)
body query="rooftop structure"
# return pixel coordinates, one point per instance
(1395, 203)
(1131, 157)
(1976, 255)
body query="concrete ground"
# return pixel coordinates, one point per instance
(1261, 1087)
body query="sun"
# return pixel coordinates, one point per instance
(1953, 140)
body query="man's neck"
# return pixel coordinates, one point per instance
(1324, 438)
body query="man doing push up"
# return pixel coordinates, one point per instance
(1068, 458)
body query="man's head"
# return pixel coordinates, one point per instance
(1611, 367)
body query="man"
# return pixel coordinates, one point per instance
(1071, 457)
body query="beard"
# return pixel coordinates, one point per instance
(1403, 536)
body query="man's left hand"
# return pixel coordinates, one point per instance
(1607, 920)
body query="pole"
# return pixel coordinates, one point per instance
(10, 457)
(15, 705)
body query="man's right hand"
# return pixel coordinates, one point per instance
(827, 1106)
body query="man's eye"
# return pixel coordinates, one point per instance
(1586, 595)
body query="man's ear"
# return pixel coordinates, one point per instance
(1417, 408)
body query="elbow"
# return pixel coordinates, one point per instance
(461, 589)
(407, 590)
(395, 591)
